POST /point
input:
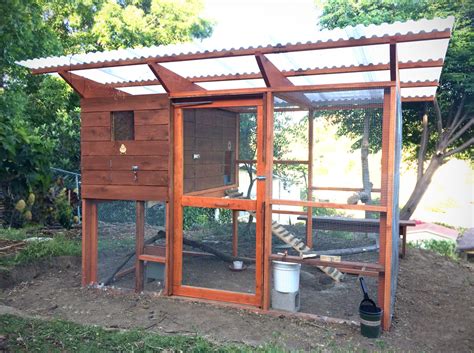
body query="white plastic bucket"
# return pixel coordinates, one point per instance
(286, 276)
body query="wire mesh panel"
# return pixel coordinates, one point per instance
(395, 205)
(209, 249)
(336, 137)
(155, 242)
(348, 239)
(345, 146)
(116, 243)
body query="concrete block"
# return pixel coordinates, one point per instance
(286, 301)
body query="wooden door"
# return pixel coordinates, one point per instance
(211, 193)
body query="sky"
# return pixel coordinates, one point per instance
(258, 20)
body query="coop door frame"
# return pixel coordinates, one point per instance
(181, 200)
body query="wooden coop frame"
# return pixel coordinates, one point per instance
(98, 100)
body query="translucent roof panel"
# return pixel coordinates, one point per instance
(234, 43)
(214, 67)
(214, 58)
(326, 58)
(422, 74)
(232, 84)
(333, 98)
(139, 90)
(118, 74)
(371, 76)
(418, 92)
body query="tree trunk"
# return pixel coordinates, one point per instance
(421, 187)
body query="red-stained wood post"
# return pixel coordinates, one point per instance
(178, 174)
(309, 220)
(268, 170)
(235, 233)
(139, 245)
(89, 242)
(388, 170)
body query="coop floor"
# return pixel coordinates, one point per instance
(319, 294)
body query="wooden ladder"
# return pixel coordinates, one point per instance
(296, 243)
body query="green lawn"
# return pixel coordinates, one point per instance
(32, 335)
(60, 245)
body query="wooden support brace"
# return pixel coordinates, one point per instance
(275, 78)
(171, 81)
(88, 88)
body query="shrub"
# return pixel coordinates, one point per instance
(443, 247)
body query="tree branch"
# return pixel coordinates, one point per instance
(460, 148)
(456, 126)
(439, 121)
(461, 131)
(458, 113)
(423, 144)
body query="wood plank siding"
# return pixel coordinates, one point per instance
(106, 171)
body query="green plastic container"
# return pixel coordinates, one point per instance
(370, 320)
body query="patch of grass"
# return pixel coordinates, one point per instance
(33, 335)
(60, 245)
(443, 247)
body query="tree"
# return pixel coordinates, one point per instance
(435, 133)
(39, 115)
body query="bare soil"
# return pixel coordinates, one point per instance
(434, 311)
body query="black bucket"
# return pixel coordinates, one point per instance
(370, 315)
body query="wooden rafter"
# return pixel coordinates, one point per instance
(88, 88)
(275, 79)
(171, 81)
(342, 43)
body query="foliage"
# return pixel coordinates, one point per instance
(116, 211)
(39, 115)
(29, 335)
(443, 247)
(60, 245)
(432, 133)
(457, 78)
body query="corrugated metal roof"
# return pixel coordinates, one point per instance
(285, 61)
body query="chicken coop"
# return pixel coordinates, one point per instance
(197, 155)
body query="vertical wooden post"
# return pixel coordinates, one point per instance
(169, 226)
(85, 242)
(260, 211)
(269, 121)
(309, 221)
(139, 244)
(89, 242)
(388, 170)
(94, 240)
(178, 165)
(235, 233)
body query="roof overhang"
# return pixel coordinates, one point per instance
(352, 56)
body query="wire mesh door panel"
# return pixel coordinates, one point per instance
(217, 226)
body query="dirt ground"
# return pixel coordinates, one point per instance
(434, 310)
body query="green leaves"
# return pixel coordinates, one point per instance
(39, 115)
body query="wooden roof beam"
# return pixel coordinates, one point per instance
(171, 81)
(88, 88)
(293, 73)
(275, 79)
(342, 43)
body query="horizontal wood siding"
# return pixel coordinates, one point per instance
(119, 192)
(207, 132)
(106, 172)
